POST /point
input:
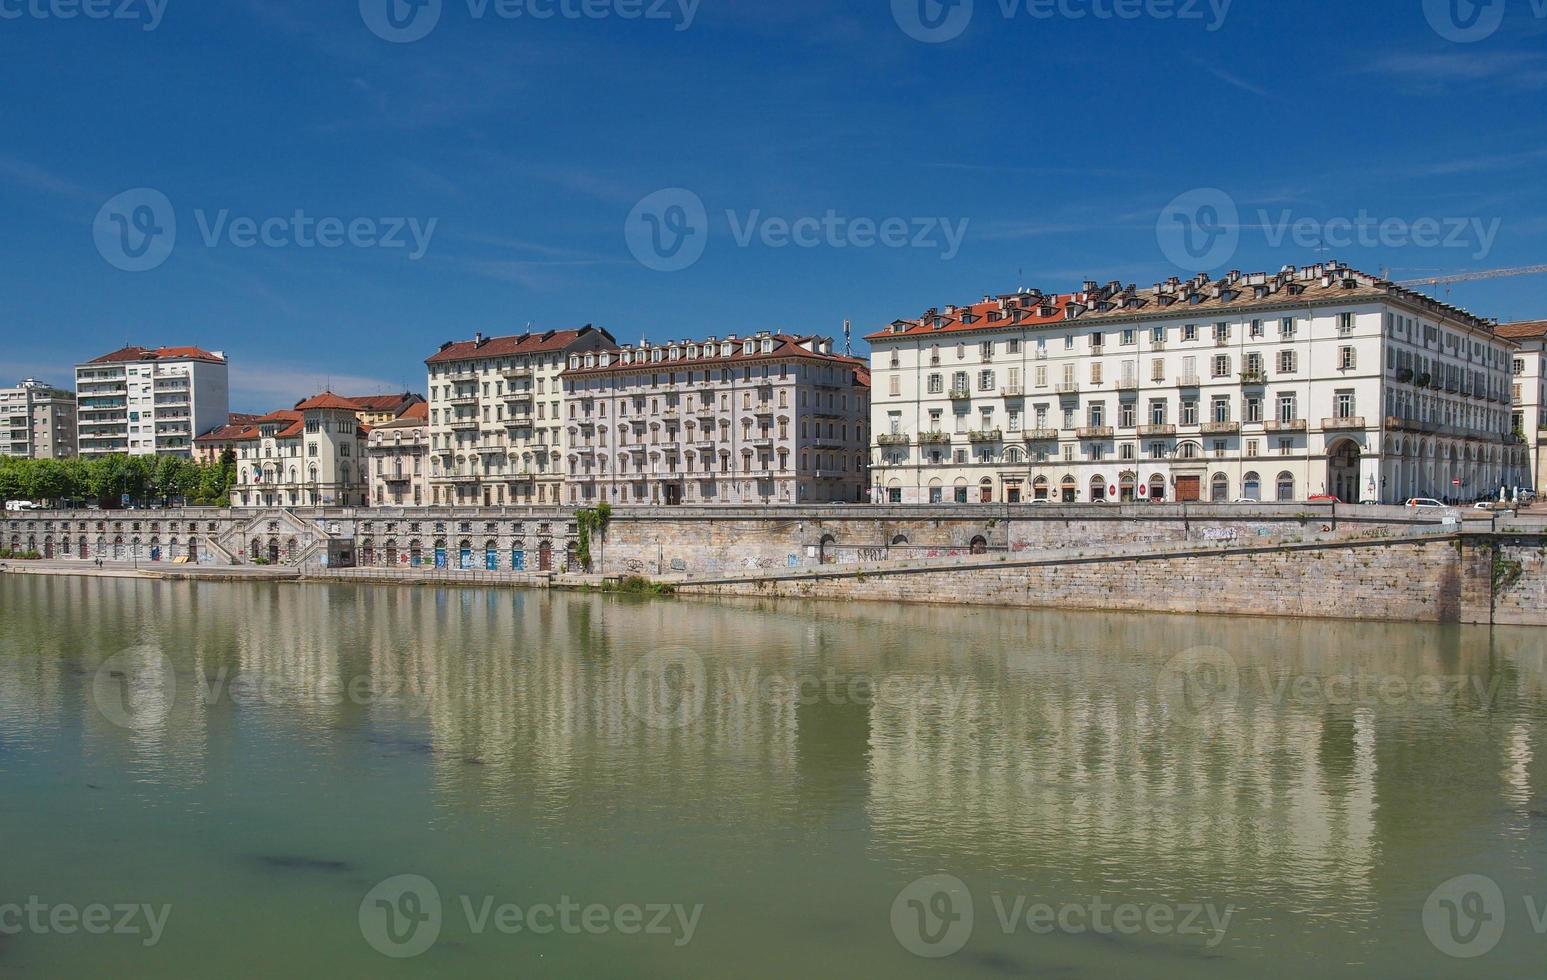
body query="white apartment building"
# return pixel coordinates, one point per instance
(399, 453)
(1321, 380)
(1529, 394)
(765, 419)
(37, 421)
(496, 432)
(313, 455)
(145, 402)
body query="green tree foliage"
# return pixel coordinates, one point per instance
(106, 480)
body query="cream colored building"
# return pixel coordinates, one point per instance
(1311, 381)
(496, 422)
(313, 455)
(37, 421)
(764, 419)
(1529, 394)
(399, 453)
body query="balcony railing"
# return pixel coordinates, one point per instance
(1013, 391)
(961, 392)
(897, 439)
(462, 400)
(1343, 423)
(1040, 435)
(1188, 381)
(1156, 430)
(519, 422)
(934, 438)
(1095, 432)
(1067, 387)
(986, 435)
(1280, 425)
(1127, 384)
(1254, 377)
(464, 425)
(1220, 428)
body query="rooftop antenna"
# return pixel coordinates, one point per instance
(848, 339)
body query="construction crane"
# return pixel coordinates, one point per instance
(1529, 270)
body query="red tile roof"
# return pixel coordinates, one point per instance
(1523, 329)
(234, 432)
(386, 403)
(132, 353)
(328, 400)
(527, 343)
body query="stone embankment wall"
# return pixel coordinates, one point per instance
(1435, 578)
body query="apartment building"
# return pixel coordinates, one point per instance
(1319, 380)
(37, 421)
(765, 419)
(144, 401)
(380, 409)
(496, 433)
(313, 455)
(399, 454)
(1528, 394)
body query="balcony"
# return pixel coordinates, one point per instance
(396, 478)
(1220, 428)
(959, 393)
(1343, 424)
(462, 400)
(1146, 431)
(519, 422)
(1279, 425)
(1012, 391)
(1067, 388)
(515, 373)
(1095, 432)
(1127, 384)
(934, 439)
(1251, 377)
(986, 435)
(517, 396)
(1157, 345)
(1040, 435)
(464, 425)
(461, 374)
(1188, 381)
(898, 439)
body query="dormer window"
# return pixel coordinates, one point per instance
(574, 361)
(767, 345)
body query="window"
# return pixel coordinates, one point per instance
(986, 350)
(985, 381)
(1286, 362)
(1219, 409)
(1286, 408)
(1095, 372)
(1158, 412)
(1189, 331)
(1344, 404)
(1157, 335)
(1128, 336)
(1189, 412)
(1345, 322)
(1345, 358)
(1286, 487)
(1221, 332)
(1126, 415)
(1252, 409)
(936, 384)
(1221, 365)
(1097, 415)
(1257, 329)
(1158, 369)
(895, 385)
(1286, 328)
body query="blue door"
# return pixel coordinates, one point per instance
(440, 557)
(518, 560)
(491, 560)
(155, 554)
(467, 558)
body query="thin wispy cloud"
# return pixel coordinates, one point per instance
(1443, 72)
(264, 386)
(1234, 81)
(29, 176)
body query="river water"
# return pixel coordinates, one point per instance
(205, 779)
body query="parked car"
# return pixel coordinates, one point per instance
(1369, 503)
(1325, 498)
(1426, 503)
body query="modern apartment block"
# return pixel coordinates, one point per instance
(496, 433)
(37, 421)
(765, 419)
(399, 453)
(313, 455)
(1319, 380)
(144, 402)
(1529, 394)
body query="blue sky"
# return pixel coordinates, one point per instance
(520, 148)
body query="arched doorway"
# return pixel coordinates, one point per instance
(415, 553)
(273, 551)
(1098, 489)
(368, 554)
(1219, 489)
(1251, 486)
(1343, 471)
(979, 545)
(824, 555)
(545, 556)
(256, 549)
